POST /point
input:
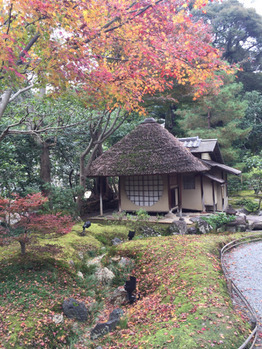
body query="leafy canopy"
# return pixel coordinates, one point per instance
(116, 51)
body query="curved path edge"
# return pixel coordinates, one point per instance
(233, 288)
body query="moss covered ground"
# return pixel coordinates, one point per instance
(183, 297)
(236, 199)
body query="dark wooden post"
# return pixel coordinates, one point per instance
(169, 193)
(119, 193)
(223, 192)
(213, 193)
(202, 194)
(180, 195)
(101, 196)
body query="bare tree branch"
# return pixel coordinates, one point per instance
(118, 121)
(27, 48)
(7, 130)
(33, 132)
(114, 127)
(20, 91)
(107, 25)
(9, 20)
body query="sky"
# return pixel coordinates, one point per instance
(257, 4)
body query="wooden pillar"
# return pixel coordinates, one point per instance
(101, 196)
(180, 195)
(223, 192)
(213, 193)
(119, 193)
(202, 194)
(169, 193)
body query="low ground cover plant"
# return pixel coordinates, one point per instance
(246, 199)
(183, 297)
(184, 301)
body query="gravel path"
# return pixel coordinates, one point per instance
(244, 265)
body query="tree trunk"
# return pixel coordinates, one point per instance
(170, 119)
(259, 203)
(45, 166)
(209, 119)
(22, 245)
(4, 100)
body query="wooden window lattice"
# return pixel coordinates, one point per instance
(144, 190)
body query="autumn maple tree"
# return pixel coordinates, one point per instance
(117, 51)
(112, 53)
(20, 218)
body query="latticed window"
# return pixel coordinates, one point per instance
(144, 190)
(189, 182)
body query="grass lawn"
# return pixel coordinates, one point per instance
(183, 292)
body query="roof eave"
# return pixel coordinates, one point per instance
(226, 168)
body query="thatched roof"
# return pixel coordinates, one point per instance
(148, 149)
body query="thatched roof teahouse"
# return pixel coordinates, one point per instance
(148, 150)
(150, 163)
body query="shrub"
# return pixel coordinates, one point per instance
(235, 185)
(62, 200)
(20, 218)
(251, 206)
(218, 220)
(248, 204)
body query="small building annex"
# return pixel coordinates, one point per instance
(159, 173)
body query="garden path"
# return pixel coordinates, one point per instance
(244, 265)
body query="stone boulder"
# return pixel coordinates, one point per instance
(116, 241)
(203, 227)
(242, 211)
(192, 231)
(80, 274)
(178, 227)
(116, 314)
(149, 232)
(102, 329)
(241, 219)
(119, 296)
(115, 259)
(71, 263)
(81, 255)
(194, 219)
(58, 318)
(243, 215)
(240, 224)
(74, 309)
(230, 210)
(96, 261)
(104, 275)
(125, 262)
(256, 225)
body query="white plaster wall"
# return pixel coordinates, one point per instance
(191, 198)
(160, 206)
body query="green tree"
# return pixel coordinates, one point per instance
(18, 165)
(253, 120)
(254, 175)
(238, 32)
(45, 120)
(217, 116)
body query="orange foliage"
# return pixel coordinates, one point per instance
(117, 50)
